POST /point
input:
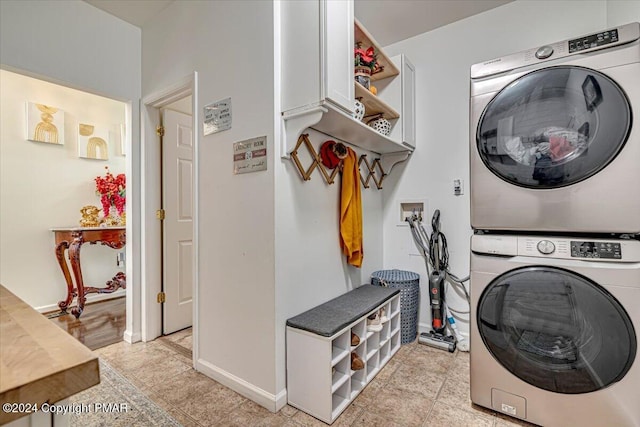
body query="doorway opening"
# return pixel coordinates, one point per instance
(48, 183)
(169, 208)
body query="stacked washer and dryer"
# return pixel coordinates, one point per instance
(555, 255)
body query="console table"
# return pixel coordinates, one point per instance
(70, 239)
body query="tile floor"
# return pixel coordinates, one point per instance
(420, 386)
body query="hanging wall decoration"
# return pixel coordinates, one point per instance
(93, 142)
(45, 123)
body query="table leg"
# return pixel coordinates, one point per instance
(74, 257)
(60, 248)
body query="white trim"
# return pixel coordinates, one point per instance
(263, 398)
(281, 399)
(131, 338)
(91, 298)
(151, 254)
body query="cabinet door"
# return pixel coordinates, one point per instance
(408, 117)
(337, 52)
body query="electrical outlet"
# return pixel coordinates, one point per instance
(458, 187)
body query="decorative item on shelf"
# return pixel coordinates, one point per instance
(112, 192)
(380, 124)
(373, 89)
(90, 216)
(365, 62)
(358, 109)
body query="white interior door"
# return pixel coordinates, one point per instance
(177, 183)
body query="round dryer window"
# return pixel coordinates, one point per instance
(554, 127)
(556, 330)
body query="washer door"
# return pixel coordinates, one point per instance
(554, 127)
(556, 330)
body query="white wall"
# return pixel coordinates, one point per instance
(44, 185)
(621, 12)
(76, 45)
(310, 267)
(230, 45)
(442, 59)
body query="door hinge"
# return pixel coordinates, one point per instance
(161, 297)
(160, 130)
(160, 214)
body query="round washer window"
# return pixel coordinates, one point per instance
(556, 330)
(554, 127)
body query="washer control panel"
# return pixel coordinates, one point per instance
(593, 40)
(585, 249)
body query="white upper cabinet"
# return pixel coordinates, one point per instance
(318, 89)
(317, 53)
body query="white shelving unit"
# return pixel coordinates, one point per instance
(313, 386)
(318, 86)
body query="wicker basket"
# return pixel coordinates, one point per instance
(409, 284)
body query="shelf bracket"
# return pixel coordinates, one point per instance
(389, 160)
(294, 124)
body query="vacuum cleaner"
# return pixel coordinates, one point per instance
(436, 255)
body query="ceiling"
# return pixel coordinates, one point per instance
(389, 20)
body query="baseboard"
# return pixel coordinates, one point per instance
(90, 299)
(263, 398)
(281, 400)
(130, 337)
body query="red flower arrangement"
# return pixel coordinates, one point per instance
(112, 191)
(366, 58)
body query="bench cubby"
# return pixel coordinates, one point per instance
(320, 380)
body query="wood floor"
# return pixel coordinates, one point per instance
(102, 323)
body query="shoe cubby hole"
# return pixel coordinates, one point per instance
(340, 398)
(341, 373)
(395, 341)
(385, 332)
(358, 381)
(373, 344)
(395, 323)
(360, 329)
(373, 364)
(386, 309)
(385, 352)
(340, 347)
(395, 307)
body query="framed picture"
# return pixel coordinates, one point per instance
(123, 140)
(45, 123)
(93, 142)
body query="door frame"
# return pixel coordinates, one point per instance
(151, 236)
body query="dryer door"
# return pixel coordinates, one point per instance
(556, 330)
(554, 127)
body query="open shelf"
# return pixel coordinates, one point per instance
(374, 105)
(361, 35)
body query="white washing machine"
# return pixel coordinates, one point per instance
(555, 137)
(554, 331)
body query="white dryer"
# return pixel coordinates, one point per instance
(555, 137)
(554, 330)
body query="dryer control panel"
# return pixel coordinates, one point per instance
(583, 249)
(593, 40)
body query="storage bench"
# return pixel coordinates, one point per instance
(319, 340)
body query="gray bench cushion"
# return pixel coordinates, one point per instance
(334, 315)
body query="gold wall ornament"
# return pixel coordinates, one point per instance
(93, 142)
(41, 122)
(97, 148)
(90, 216)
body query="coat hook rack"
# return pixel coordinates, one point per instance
(316, 163)
(373, 169)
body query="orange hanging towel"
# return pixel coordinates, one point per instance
(351, 210)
